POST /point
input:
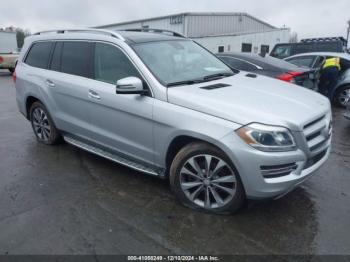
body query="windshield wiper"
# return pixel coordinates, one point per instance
(186, 82)
(204, 79)
(217, 76)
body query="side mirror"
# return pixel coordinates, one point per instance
(130, 85)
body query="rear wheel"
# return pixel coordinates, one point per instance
(43, 126)
(341, 96)
(202, 177)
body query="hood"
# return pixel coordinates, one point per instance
(248, 99)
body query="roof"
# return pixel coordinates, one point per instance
(335, 54)
(189, 14)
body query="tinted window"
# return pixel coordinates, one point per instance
(39, 55)
(76, 57)
(111, 64)
(56, 57)
(281, 51)
(238, 64)
(305, 61)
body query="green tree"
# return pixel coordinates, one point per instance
(20, 37)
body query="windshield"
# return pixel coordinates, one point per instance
(181, 62)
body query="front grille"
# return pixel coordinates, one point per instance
(278, 170)
(314, 160)
(317, 133)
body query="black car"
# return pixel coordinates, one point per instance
(271, 67)
(326, 44)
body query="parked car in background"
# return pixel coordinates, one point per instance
(327, 44)
(272, 67)
(8, 50)
(315, 61)
(163, 105)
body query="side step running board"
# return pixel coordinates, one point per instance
(113, 157)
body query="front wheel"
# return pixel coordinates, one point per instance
(203, 177)
(342, 95)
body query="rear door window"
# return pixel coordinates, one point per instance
(39, 55)
(77, 58)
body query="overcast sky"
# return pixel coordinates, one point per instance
(309, 18)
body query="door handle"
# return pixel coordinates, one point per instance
(93, 94)
(50, 83)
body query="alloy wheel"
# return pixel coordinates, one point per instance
(208, 181)
(41, 124)
(343, 97)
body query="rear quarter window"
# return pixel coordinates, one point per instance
(39, 55)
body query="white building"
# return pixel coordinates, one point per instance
(219, 32)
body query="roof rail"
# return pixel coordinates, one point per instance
(153, 30)
(89, 30)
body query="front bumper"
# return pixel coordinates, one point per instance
(249, 161)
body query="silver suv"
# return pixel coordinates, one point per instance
(163, 105)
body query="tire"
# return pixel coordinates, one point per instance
(340, 96)
(12, 70)
(43, 126)
(181, 177)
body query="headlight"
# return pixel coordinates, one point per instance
(267, 138)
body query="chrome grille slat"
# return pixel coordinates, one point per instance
(316, 133)
(278, 170)
(315, 128)
(316, 141)
(313, 122)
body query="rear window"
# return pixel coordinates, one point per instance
(39, 55)
(238, 63)
(304, 61)
(76, 59)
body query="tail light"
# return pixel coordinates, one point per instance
(1, 59)
(289, 77)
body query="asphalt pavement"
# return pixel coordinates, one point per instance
(62, 200)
